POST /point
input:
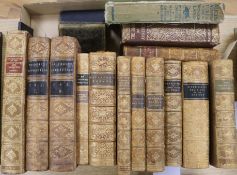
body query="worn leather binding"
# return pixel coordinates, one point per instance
(82, 108)
(37, 111)
(102, 108)
(173, 53)
(1, 78)
(173, 113)
(195, 114)
(13, 114)
(124, 131)
(62, 123)
(155, 141)
(138, 68)
(223, 128)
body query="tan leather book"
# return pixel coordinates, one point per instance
(13, 114)
(138, 68)
(124, 131)
(37, 111)
(82, 108)
(173, 113)
(195, 114)
(62, 120)
(102, 109)
(155, 141)
(223, 128)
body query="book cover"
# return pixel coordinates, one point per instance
(160, 12)
(13, 113)
(155, 140)
(195, 114)
(37, 102)
(124, 128)
(173, 113)
(102, 109)
(188, 35)
(138, 68)
(223, 129)
(82, 109)
(62, 120)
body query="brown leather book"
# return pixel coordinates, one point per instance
(155, 140)
(138, 68)
(82, 108)
(195, 114)
(13, 114)
(173, 113)
(124, 131)
(223, 128)
(62, 120)
(173, 53)
(37, 111)
(102, 109)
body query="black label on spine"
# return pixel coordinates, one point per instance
(62, 67)
(172, 86)
(102, 80)
(138, 101)
(37, 88)
(155, 102)
(196, 91)
(82, 79)
(61, 88)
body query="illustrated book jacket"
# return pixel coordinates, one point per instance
(195, 114)
(102, 109)
(37, 100)
(13, 114)
(155, 140)
(124, 115)
(223, 128)
(82, 108)
(173, 113)
(62, 120)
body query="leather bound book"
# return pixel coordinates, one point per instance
(82, 108)
(223, 128)
(189, 35)
(1, 58)
(195, 114)
(173, 113)
(37, 100)
(102, 108)
(124, 131)
(62, 120)
(13, 114)
(155, 140)
(138, 114)
(173, 53)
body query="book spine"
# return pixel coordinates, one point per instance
(173, 113)
(37, 104)
(13, 114)
(195, 114)
(82, 108)
(171, 35)
(1, 78)
(138, 114)
(124, 131)
(173, 53)
(62, 120)
(155, 149)
(102, 108)
(223, 143)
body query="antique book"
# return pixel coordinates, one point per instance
(160, 12)
(102, 109)
(1, 78)
(138, 68)
(223, 129)
(62, 120)
(155, 140)
(82, 108)
(173, 113)
(13, 114)
(195, 35)
(173, 53)
(91, 36)
(124, 128)
(195, 114)
(37, 102)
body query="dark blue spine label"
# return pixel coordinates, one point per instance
(37, 88)
(196, 91)
(61, 88)
(82, 79)
(62, 67)
(138, 101)
(173, 86)
(37, 68)
(155, 102)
